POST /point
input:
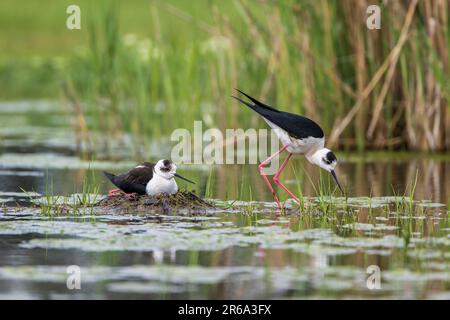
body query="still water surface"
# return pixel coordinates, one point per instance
(226, 254)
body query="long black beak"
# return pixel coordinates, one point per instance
(336, 179)
(181, 177)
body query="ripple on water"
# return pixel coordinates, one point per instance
(324, 244)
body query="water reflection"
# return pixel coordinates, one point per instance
(361, 178)
(232, 256)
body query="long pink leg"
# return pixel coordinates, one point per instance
(261, 171)
(277, 180)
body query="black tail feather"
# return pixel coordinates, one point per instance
(110, 176)
(244, 102)
(295, 125)
(256, 102)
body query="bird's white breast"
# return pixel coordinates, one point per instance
(161, 185)
(299, 146)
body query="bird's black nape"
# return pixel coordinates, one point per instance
(330, 157)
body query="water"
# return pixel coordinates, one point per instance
(245, 252)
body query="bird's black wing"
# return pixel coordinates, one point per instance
(140, 174)
(297, 126)
(129, 183)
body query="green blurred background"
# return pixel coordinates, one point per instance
(142, 68)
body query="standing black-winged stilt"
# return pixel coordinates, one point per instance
(147, 178)
(299, 135)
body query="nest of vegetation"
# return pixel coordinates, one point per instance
(183, 200)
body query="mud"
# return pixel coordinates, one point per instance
(165, 203)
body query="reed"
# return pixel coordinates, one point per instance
(369, 89)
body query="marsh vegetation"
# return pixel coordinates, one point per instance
(74, 103)
(133, 65)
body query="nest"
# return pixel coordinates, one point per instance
(183, 200)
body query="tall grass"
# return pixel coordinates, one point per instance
(369, 89)
(53, 204)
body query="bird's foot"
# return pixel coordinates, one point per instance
(300, 204)
(114, 192)
(131, 196)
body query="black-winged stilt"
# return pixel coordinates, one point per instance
(147, 178)
(299, 135)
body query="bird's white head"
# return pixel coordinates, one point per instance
(325, 159)
(165, 169)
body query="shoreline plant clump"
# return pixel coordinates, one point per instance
(182, 200)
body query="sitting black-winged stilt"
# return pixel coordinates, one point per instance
(298, 135)
(147, 178)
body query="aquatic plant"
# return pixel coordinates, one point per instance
(54, 204)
